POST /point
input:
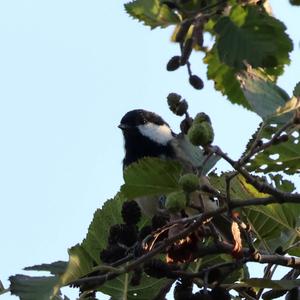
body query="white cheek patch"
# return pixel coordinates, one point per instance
(160, 134)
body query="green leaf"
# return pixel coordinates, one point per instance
(283, 157)
(29, 288)
(96, 240)
(250, 35)
(151, 176)
(296, 91)
(120, 288)
(273, 284)
(274, 225)
(224, 78)
(55, 268)
(1, 287)
(294, 251)
(264, 96)
(152, 13)
(104, 218)
(80, 263)
(282, 184)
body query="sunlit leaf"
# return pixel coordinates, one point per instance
(152, 13)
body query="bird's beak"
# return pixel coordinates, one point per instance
(123, 126)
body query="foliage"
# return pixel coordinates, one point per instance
(248, 214)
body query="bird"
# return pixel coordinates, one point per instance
(146, 134)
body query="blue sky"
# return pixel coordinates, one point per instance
(69, 70)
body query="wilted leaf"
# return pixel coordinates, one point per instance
(151, 176)
(152, 13)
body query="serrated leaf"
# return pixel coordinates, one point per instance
(296, 91)
(224, 78)
(29, 288)
(104, 218)
(151, 176)
(55, 268)
(96, 240)
(250, 35)
(273, 284)
(152, 13)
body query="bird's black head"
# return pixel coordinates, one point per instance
(145, 134)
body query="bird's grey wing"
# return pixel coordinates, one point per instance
(191, 155)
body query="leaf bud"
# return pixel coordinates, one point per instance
(176, 201)
(201, 117)
(174, 63)
(196, 82)
(201, 134)
(189, 182)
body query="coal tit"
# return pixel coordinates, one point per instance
(146, 134)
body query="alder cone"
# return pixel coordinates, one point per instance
(196, 82)
(174, 63)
